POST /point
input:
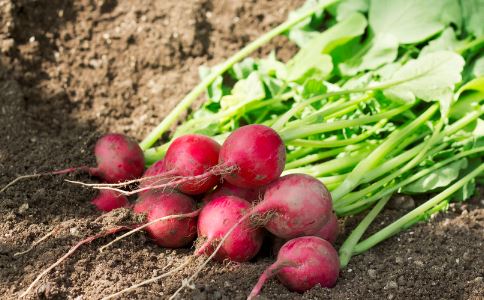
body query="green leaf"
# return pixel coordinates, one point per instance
(441, 177)
(430, 77)
(313, 59)
(446, 41)
(246, 90)
(243, 69)
(272, 67)
(468, 98)
(313, 87)
(376, 52)
(346, 8)
(304, 31)
(215, 90)
(412, 21)
(473, 16)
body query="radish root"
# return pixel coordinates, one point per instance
(36, 242)
(151, 280)
(69, 253)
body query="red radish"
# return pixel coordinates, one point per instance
(192, 155)
(108, 200)
(301, 264)
(258, 153)
(172, 233)
(300, 204)
(228, 189)
(216, 219)
(330, 230)
(119, 159)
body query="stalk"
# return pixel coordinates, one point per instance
(346, 250)
(398, 225)
(301, 132)
(358, 173)
(183, 105)
(388, 190)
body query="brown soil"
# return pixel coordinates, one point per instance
(71, 70)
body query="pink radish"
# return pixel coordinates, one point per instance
(216, 218)
(172, 233)
(108, 200)
(119, 159)
(228, 189)
(300, 204)
(258, 153)
(192, 155)
(301, 264)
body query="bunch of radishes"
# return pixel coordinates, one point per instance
(243, 194)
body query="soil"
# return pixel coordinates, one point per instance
(72, 70)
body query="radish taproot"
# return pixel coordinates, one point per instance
(107, 200)
(301, 264)
(118, 157)
(174, 233)
(153, 175)
(215, 220)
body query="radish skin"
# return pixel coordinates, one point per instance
(173, 233)
(301, 264)
(107, 200)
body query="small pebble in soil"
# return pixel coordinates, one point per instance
(391, 285)
(372, 273)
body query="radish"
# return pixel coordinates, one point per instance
(108, 200)
(118, 157)
(228, 189)
(258, 153)
(215, 220)
(301, 264)
(174, 233)
(192, 155)
(300, 206)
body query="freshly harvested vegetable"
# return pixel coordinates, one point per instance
(258, 154)
(191, 156)
(153, 175)
(107, 200)
(173, 233)
(216, 219)
(301, 264)
(298, 205)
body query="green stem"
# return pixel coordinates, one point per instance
(390, 189)
(183, 105)
(331, 166)
(346, 250)
(398, 225)
(301, 132)
(338, 143)
(358, 173)
(470, 45)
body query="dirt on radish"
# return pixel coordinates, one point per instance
(72, 70)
